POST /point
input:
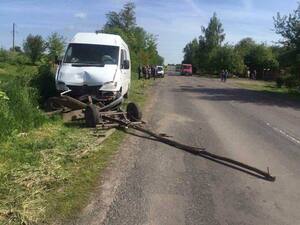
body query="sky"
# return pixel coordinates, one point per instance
(175, 23)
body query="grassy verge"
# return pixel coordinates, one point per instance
(266, 86)
(47, 173)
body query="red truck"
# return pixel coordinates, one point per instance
(186, 69)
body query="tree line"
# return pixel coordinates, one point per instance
(209, 54)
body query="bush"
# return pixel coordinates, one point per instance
(3, 55)
(279, 82)
(44, 83)
(291, 81)
(17, 58)
(19, 112)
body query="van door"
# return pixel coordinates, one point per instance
(125, 72)
(128, 70)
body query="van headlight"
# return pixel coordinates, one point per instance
(61, 86)
(109, 85)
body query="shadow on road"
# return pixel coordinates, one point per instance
(241, 95)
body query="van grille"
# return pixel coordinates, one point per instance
(84, 90)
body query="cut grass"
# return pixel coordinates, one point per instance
(47, 174)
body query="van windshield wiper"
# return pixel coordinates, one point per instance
(87, 64)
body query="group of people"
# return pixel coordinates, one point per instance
(251, 74)
(224, 75)
(147, 71)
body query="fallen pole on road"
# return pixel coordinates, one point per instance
(197, 151)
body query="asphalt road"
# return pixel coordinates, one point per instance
(152, 183)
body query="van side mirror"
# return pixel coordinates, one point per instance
(125, 64)
(58, 60)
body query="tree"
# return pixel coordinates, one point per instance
(214, 33)
(260, 58)
(288, 27)
(55, 46)
(226, 58)
(124, 20)
(34, 46)
(190, 52)
(142, 45)
(212, 37)
(244, 46)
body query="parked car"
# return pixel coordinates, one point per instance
(160, 71)
(95, 65)
(186, 69)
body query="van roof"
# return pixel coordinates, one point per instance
(98, 39)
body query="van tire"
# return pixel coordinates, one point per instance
(91, 116)
(134, 114)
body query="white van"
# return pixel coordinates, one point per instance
(96, 66)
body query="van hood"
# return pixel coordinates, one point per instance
(86, 75)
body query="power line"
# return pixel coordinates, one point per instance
(14, 35)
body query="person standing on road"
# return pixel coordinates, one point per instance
(248, 74)
(222, 75)
(226, 75)
(139, 71)
(148, 72)
(153, 71)
(144, 71)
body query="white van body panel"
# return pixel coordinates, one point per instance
(68, 75)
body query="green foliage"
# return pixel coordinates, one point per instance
(20, 111)
(260, 57)
(190, 52)
(226, 57)
(198, 52)
(244, 46)
(209, 55)
(34, 47)
(213, 35)
(55, 46)
(13, 57)
(291, 81)
(288, 27)
(142, 45)
(44, 83)
(279, 82)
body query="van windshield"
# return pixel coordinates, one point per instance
(92, 54)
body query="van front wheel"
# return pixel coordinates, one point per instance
(91, 116)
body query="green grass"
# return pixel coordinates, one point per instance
(267, 86)
(8, 71)
(47, 173)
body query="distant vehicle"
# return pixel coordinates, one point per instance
(160, 71)
(95, 65)
(178, 69)
(186, 69)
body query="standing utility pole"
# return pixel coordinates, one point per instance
(14, 36)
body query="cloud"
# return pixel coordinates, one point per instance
(80, 15)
